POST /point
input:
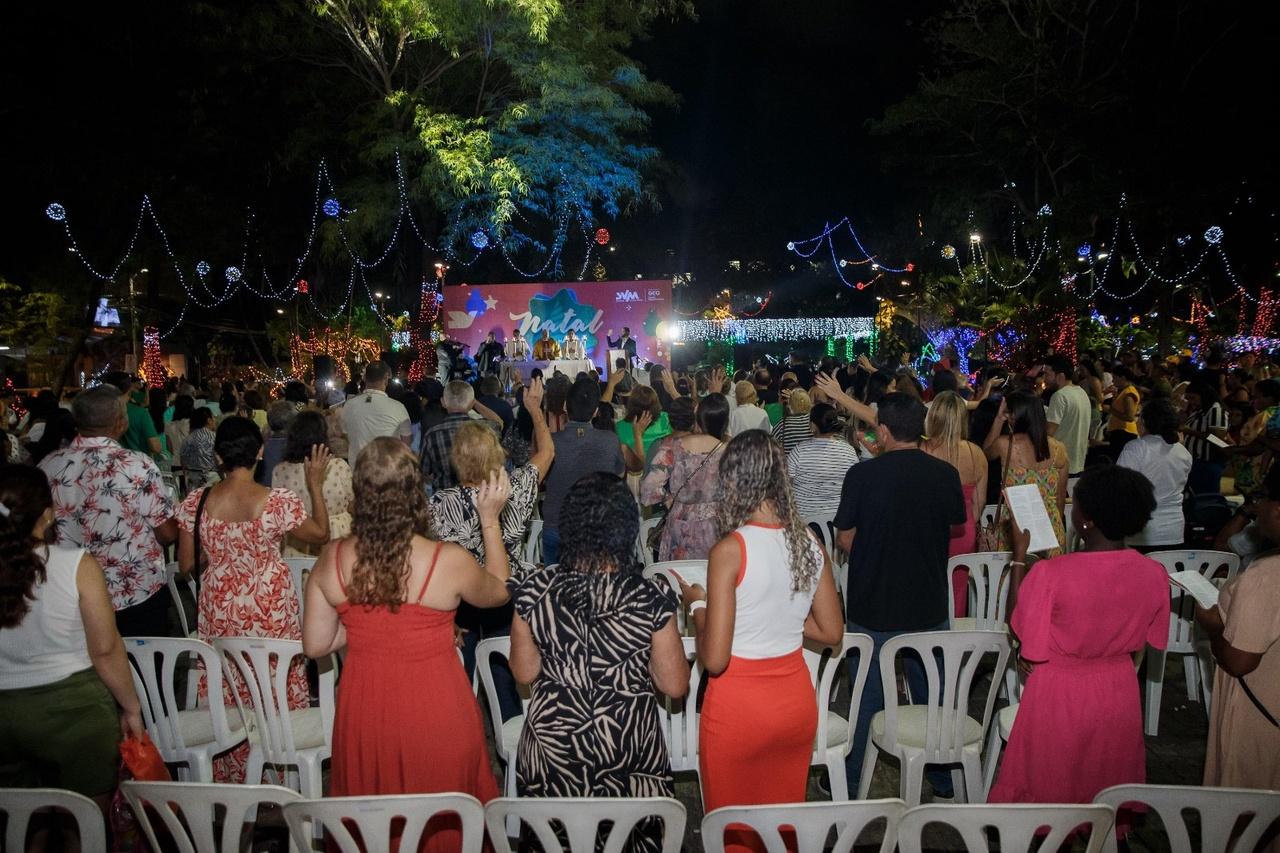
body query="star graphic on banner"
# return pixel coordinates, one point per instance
(491, 302)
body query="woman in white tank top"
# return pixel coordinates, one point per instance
(62, 663)
(769, 587)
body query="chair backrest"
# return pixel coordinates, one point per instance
(642, 540)
(824, 528)
(262, 665)
(693, 572)
(300, 568)
(960, 653)
(1016, 826)
(533, 542)
(988, 587)
(580, 821)
(679, 717)
(201, 817)
(486, 651)
(154, 664)
(988, 516)
(1217, 809)
(375, 818)
(811, 822)
(825, 664)
(1212, 565)
(18, 804)
(172, 578)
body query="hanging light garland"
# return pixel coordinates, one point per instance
(153, 369)
(744, 331)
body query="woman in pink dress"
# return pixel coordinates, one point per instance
(1080, 619)
(246, 590)
(947, 429)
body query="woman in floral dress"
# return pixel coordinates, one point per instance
(685, 477)
(1019, 440)
(308, 430)
(246, 589)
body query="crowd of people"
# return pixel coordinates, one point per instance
(417, 502)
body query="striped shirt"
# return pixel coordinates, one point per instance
(817, 468)
(1209, 419)
(792, 430)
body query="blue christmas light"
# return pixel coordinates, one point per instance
(56, 212)
(331, 207)
(1045, 210)
(202, 268)
(1213, 236)
(233, 273)
(791, 247)
(1084, 251)
(480, 240)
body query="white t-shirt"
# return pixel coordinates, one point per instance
(49, 644)
(748, 417)
(369, 415)
(1166, 466)
(769, 622)
(1069, 408)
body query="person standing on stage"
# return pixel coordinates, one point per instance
(573, 346)
(517, 349)
(489, 355)
(626, 343)
(546, 349)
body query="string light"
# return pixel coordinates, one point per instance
(152, 367)
(948, 251)
(744, 331)
(56, 212)
(202, 268)
(1083, 251)
(233, 274)
(331, 207)
(479, 239)
(1045, 210)
(1213, 236)
(602, 236)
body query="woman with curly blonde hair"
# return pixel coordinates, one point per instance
(407, 721)
(769, 587)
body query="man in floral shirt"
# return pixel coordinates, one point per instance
(113, 502)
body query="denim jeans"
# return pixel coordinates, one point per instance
(481, 624)
(550, 546)
(873, 702)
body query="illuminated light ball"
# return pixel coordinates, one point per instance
(331, 207)
(202, 268)
(1045, 210)
(911, 267)
(1084, 250)
(948, 251)
(791, 247)
(843, 262)
(480, 239)
(1213, 236)
(56, 212)
(439, 297)
(862, 285)
(303, 286)
(602, 236)
(233, 273)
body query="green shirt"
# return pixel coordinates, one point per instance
(774, 411)
(659, 429)
(141, 428)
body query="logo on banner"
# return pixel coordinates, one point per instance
(627, 296)
(654, 295)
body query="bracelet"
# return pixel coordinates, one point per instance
(695, 606)
(1018, 563)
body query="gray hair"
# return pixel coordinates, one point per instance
(98, 409)
(280, 415)
(458, 396)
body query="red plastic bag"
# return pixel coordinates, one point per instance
(143, 760)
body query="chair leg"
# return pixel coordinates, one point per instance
(509, 790)
(958, 789)
(310, 779)
(1191, 671)
(837, 776)
(994, 745)
(255, 765)
(974, 785)
(868, 770)
(912, 778)
(1155, 687)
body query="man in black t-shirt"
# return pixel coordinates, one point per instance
(895, 518)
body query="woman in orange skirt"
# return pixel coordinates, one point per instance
(769, 587)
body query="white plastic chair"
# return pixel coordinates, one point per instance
(581, 821)
(1218, 811)
(191, 737)
(533, 542)
(642, 540)
(300, 738)
(988, 516)
(941, 730)
(172, 578)
(506, 735)
(19, 804)
(1182, 631)
(373, 818)
(834, 739)
(693, 572)
(825, 529)
(811, 822)
(1016, 826)
(988, 590)
(300, 568)
(679, 718)
(189, 812)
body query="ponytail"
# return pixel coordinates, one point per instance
(24, 497)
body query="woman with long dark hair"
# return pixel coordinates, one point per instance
(595, 639)
(62, 663)
(769, 588)
(684, 477)
(407, 721)
(309, 430)
(1019, 440)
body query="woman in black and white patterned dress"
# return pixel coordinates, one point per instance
(595, 638)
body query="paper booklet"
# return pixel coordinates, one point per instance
(1029, 513)
(1200, 588)
(1215, 441)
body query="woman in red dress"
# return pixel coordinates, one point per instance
(407, 721)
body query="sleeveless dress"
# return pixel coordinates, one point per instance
(407, 721)
(760, 715)
(964, 538)
(1047, 480)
